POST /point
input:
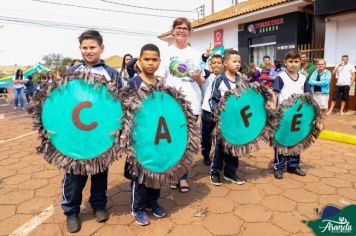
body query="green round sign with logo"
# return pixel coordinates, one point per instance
(80, 119)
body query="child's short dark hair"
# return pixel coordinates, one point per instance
(228, 53)
(150, 47)
(292, 55)
(217, 56)
(91, 34)
(266, 56)
(345, 56)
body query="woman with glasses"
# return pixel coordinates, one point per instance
(181, 69)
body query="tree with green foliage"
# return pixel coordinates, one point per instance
(56, 61)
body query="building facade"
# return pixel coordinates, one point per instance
(255, 28)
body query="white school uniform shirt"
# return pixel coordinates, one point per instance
(96, 70)
(286, 86)
(175, 67)
(208, 89)
(344, 74)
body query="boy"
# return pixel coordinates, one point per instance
(224, 82)
(286, 84)
(266, 70)
(142, 197)
(91, 48)
(216, 65)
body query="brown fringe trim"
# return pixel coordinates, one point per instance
(314, 132)
(158, 179)
(51, 154)
(267, 131)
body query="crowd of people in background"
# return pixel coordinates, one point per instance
(315, 71)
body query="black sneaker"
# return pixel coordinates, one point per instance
(73, 224)
(278, 174)
(297, 171)
(234, 179)
(101, 215)
(215, 180)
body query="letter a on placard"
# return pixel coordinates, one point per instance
(245, 116)
(165, 134)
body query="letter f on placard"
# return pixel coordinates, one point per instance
(165, 134)
(245, 116)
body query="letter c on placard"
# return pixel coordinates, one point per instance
(76, 120)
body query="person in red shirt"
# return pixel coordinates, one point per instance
(266, 68)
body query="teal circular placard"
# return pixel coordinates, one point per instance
(244, 117)
(295, 124)
(160, 133)
(79, 119)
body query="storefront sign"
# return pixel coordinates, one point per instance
(268, 26)
(268, 23)
(218, 38)
(286, 47)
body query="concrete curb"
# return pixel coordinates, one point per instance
(337, 136)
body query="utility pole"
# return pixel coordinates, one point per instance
(201, 11)
(212, 6)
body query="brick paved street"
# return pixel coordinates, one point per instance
(262, 206)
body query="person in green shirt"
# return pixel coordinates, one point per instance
(306, 67)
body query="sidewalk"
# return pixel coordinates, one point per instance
(262, 206)
(340, 128)
(343, 124)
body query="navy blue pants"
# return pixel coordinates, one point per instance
(280, 161)
(217, 165)
(72, 188)
(141, 196)
(207, 127)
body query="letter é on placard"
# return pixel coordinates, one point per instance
(245, 116)
(295, 120)
(165, 134)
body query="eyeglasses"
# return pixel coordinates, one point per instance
(181, 29)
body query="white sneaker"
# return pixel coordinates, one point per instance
(234, 179)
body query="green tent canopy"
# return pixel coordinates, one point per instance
(7, 81)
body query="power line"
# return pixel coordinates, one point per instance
(62, 25)
(103, 9)
(147, 8)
